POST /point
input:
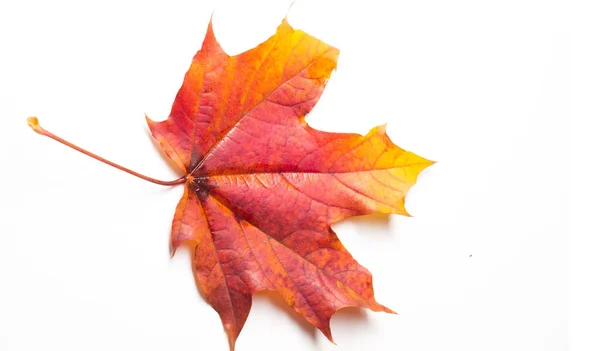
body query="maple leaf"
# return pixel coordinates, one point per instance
(262, 188)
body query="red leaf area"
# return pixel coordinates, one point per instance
(263, 187)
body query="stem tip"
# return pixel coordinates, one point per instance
(34, 124)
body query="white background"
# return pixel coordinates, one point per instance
(482, 87)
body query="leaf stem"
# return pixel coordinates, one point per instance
(34, 124)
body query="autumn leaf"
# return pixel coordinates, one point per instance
(262, 188)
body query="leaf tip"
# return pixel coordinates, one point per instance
(148, 120)
(210, 32)
(426, 163)
(172, 250)
(387, 310)
(288, 10)
(380, 130)
(327, 332)
(231, 336)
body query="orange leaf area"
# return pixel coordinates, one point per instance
(263, 187)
